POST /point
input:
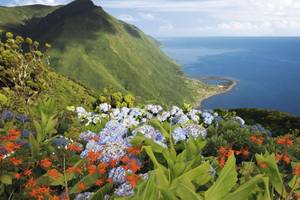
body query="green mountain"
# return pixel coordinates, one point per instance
(98, 50)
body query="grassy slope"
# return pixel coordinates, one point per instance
(104, 51)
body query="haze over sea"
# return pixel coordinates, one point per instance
(267, 69)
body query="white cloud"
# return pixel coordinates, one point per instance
(147, 16)
(31, 2)
(166, 27)
(127, 18)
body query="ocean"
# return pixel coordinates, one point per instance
(267, 69)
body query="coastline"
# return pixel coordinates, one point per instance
(220, 88)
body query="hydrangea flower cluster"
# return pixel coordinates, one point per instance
(190, 130)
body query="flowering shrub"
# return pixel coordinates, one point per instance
(144, 153)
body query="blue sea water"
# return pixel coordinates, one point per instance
(267, 69)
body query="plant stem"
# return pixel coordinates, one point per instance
(66, 182)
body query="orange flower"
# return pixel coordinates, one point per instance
(278, 157)
(1, 157)
(53, 173)
(11, 146)
(262, 165)
(113, 163)
(257, 139)
(15, 161)
(102, 167)
(55, 197)
(45, 163)
(109, 180)
(81, 187)
(93, 156)
(31, 183)
(296, 170)
(18, 176)
(75, 170)
(286, 159)
(125, 159)
(99, 182)
(27, 172)
(92, 169)
(14, 134)
(284, 140)
(221, 161)
(134, 150)
(134, 166)
(40, 193)
(133, 179)
(74, 147)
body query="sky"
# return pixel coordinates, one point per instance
(196, 18)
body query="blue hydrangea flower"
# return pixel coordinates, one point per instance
(118, 175)
(207, 118)
(25, 133)
(61, 142)
(124, 190)
(113, 131)
(22, 118)
(84, 196)
(86, 136)
(7, 115)
(151, 133)
(195, 130)
(179, 134)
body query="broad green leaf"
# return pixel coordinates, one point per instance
(199, 175)
(245, 190)
(156, 124)
(88, 181)
(6, 179)
(272, 172)
(3, 99)
(224, 183)
(34, 146)
(185, 192)
(147, 190)
(99, 194)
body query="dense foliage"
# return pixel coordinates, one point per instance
(143, 153)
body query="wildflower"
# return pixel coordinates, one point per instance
(81, 186)
(15, 161)
(14, 134)
(113, 163)
(60, 142)
(118, 175)
(278, 157)
(284, 140)
(257, 139)
(296, 170)
(133, 179)
(74, 147)
(27, 172)
(40, 193)
(7, 115)
(262, 165)
(99, 182)
(53, 173)
(102, 167)
(93, 156)
(134, 150)
(75, 170)
(124, 190)
(31, 183)
(18, 176)
(109, 180)
(11, 146)
(179, 134)
(195, 130)
(207, 118)
(45, 163)
(84, 196)
(286, 159)
(92, 169)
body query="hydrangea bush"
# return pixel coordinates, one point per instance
(144, 153)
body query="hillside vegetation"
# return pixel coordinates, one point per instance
(100, 51)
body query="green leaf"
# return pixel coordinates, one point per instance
(272, 172)
(6, 179)
(3, 99)
(88, 180)
(185, 191)
(156, 124)
(99, 194)
(224, 183)
(146, 190)
(245, 190)
(34, 146)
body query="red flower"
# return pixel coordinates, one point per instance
(284, 140)
(102, 167)
(99, 183)
(262, 165)
(45, 163)
(286, 159)
(92, 169)
(53, 173)
(13, 134)
(27, 172)
(31, 183)
(18, 176)
(296, 170)
(125, 159)
(15, 161)
(74, 147)
(257, 139)
(93, 156)
(133, 179)
(75, 170)
(113, 163)
(134, 150)
(81, 187)
(109, 180)
(11, 146)
(278, 157)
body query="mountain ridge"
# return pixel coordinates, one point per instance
(101, 51)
